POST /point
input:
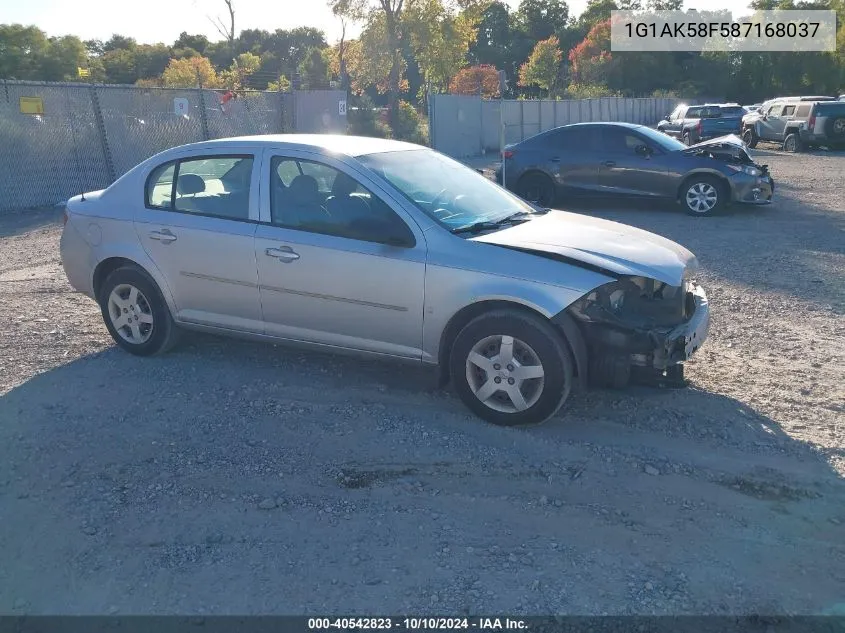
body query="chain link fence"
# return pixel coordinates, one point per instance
(87, 136)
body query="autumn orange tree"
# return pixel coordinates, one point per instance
(590, 60)
(473, 80)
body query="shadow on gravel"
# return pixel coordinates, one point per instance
(18, 222)
(672, 425)
(225, 456)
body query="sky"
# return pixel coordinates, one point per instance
(151, 21)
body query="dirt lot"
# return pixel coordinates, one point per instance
(227, 477)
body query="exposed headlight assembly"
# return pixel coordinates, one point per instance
(747, 169)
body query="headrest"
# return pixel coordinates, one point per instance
(188, 184)
(304, 187)
(343, 185)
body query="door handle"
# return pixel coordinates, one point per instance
(609, 163)
(164, 236)
(284, 254)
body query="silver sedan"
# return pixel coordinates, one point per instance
(383, 248)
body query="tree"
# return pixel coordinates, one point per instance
(119, 66)
(314, 70)
(238, 75)
(390, 12)
(119, 42)
(472, 80)
(226, 29)
(543, 64)
(63, 58)
(596, 11)
(494, 39)
(189, 73)
(440, 39)
(197, 43)
(540, 19)
(22, 49)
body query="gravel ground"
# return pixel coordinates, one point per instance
(233, 478)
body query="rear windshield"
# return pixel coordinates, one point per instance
(802, 111)
(732, 110)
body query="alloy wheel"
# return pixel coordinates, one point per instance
(505, 373)
(702, 197)
(131, 314)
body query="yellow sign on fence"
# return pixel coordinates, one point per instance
(32, 105)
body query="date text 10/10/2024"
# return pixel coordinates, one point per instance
(415, 624)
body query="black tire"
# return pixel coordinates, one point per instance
(687, 139)
(698, 185)
(750, 138)
(163, 333)
(545, 342)
(792, 143)
(537, 188)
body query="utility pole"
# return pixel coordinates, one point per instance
(503, 86)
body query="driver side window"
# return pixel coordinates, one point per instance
(310, 196)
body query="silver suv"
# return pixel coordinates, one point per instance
(797, 123)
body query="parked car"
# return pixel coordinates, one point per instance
(797, 124)
(387, 249)
(634, 160)
(752, 108)
(693, 124)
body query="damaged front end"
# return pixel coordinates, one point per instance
(640, 327)
(751, 183)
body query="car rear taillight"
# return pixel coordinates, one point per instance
(507, 153)
(811, 124)
(699, 128)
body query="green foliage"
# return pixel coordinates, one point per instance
(588, 91)
(542, 66)
(410, 125)
(363, 120)
(314, 70)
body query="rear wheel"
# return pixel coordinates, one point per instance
(511, 368)
(703, 195)
(749, 138)
(135, 312)
(537, 188)
(792, 143)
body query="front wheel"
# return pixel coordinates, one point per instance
(511, 368)
(537, 188)
(749, 138)
(702, 195)
(135, 313)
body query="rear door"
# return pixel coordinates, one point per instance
(631, 164)
(197, 223)
(571, 155)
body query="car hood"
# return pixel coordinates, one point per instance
(614, 247)
(729, 147)
(729, 140)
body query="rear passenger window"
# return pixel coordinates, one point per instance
(216, 186)
(160, 187)
(803, 111)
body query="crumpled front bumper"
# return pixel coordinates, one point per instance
(752, 189)
(682, 342)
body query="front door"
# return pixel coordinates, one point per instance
(197, 223)
(339, 262)
(629, 164)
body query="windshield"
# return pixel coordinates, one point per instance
(663, 141)
(444, 189)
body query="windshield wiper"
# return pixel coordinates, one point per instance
(487, 225)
